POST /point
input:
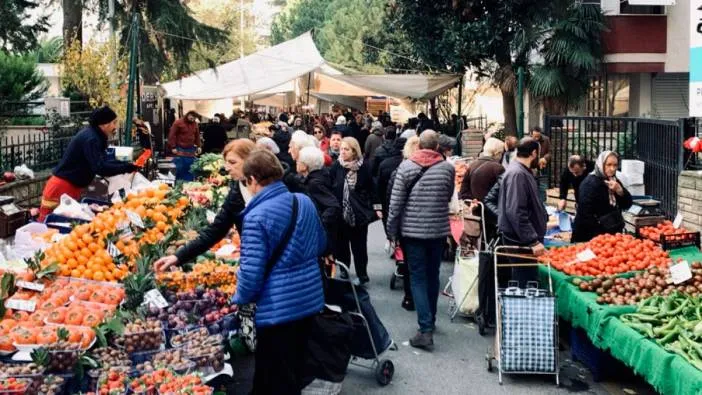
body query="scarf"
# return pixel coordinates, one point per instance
(350, 183)
(599, 172)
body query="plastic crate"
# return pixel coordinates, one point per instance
(99, 202)
(55, 221)
(599, 362)
(669, 242)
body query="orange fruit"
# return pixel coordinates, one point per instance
(75, 273)
(71, 263)
(87, 238)
(98, 276)
(93, 247)
(87, 273)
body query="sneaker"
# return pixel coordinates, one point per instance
(408, 304)
(423, 341)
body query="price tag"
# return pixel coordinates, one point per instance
(210, 216)
(678, 221)
(124, 230)
(18, 304)
(155, 298)
(635, 209)
(586, 255)
(135, 219)
(113, 250)
(29, 285)
(680, 272)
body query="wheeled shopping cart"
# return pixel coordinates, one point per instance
(370, 340)
(526, 339)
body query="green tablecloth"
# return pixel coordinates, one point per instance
(668, 373)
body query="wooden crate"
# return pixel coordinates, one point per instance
(10, 223)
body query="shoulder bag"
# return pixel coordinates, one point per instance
(247, 312)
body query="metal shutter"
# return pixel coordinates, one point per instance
(670, 96)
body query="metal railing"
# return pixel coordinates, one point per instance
(476, 123)
(38, 151)
(658, 143)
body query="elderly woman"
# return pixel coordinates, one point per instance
(280, 275)
(602, 197)
(318, 186)
(235, 153)
(353, 188)
(269, 144)
(483, 172)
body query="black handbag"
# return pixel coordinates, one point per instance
(247, 312)
(328, 346)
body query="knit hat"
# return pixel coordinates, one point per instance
(102, 115)
(341, 120)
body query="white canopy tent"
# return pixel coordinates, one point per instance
(276, 69)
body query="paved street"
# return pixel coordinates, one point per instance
(457, 364)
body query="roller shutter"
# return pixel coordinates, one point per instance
(670, 95)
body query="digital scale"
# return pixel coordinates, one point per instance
(646, 208)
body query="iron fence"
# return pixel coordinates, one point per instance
(480, 123)
(658, 143)
(38, 152)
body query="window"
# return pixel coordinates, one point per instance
(627, 9)
(608, 96)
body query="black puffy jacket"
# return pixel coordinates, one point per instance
(318, 186)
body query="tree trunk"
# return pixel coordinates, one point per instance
(72, 21)
(509, 109)
(433, 112)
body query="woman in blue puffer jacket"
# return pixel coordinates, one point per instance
(292, 292)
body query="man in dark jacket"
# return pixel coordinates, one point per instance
(215, 137)
(84, 158)
(522, 216)
(387, 164)
(388, 149)
(572, 176)
(419, 216)
(342, 127)
(374, 141)
(282, 136)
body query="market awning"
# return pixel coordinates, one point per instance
(414, 86)
(252, 74)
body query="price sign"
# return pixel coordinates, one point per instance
(155, 298)
(18, 304)
(124, 230)
(680, 272)
(29, 285)
(586, 255)
(210, 216)
(113, 250)
(135, 219)
(678, 221)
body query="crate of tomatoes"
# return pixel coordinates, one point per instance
(668, 236)
(608, 254)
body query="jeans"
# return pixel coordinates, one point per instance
(280, 358)
(183, 164)
(357, 238)
(423, 257)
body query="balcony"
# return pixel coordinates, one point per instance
(635, 43)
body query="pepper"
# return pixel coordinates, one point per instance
(662, 330)
(676, 310)
(643, 328)
(692, 344)
(697, 331)
(649, 310)
(669, 337)
(644, 318)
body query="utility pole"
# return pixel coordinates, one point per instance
(241, 42)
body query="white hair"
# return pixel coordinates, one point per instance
(268, 143)
(493, 147)
(302, 140)
(312, 157)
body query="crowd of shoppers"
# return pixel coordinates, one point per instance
(333, 179)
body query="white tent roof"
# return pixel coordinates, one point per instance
(273, 69)
(255, 73)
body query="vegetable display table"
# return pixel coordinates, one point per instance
(665, 371)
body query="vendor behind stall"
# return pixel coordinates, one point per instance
(572, 176)
(85, 157)
(601, 201)
(184, 143)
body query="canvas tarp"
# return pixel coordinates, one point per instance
(271, 70)
(252, 74)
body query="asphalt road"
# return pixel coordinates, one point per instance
(457, 365)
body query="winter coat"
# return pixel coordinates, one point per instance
(522, 217)
(385, 172)
(387, 150)
(481, 176)
(422, 212)
(568, 180)
(293, 289)
(492, 201)
(318, 187)
(373, 141)
(228, 216)
(183, 134)
(363, 194)
(593, 203)
(215, 139)
(282, 137)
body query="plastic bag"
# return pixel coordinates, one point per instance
(25, 244)
(465, 271)
(70, 208)
(23, 172)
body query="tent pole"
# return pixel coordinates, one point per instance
(132, 74)
(459, 119)
(309, 79)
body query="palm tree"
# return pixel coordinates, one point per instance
(572, 53)
(49, 51)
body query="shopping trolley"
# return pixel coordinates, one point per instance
(371, 340)
(526, 339)
(461, 253)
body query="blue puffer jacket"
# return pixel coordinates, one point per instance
(293, 289)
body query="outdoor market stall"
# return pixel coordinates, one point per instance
(608, 296)
(85, 312)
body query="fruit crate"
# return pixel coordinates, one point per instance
(600, 363)
(11, 219)
(670, 242)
